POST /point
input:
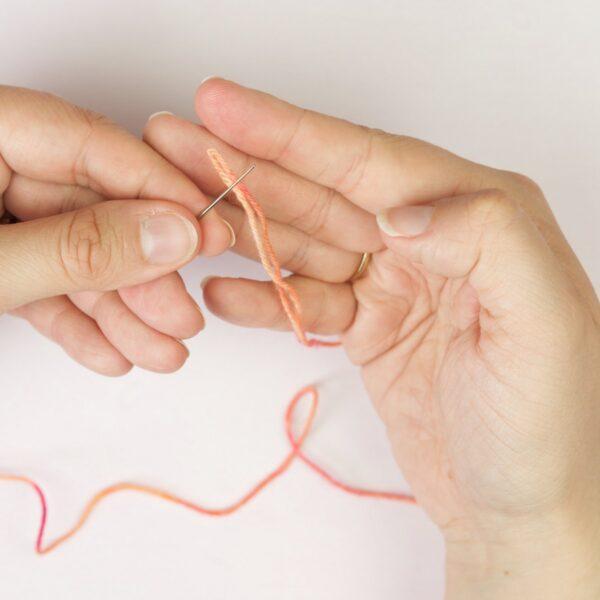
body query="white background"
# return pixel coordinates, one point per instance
(514, 84)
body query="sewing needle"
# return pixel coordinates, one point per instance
(223, 194)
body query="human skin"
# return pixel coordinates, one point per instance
(475, 326)
(91, 265)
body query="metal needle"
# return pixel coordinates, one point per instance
(223, 194)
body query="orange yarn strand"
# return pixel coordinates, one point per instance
(260, 232)
(292, 307)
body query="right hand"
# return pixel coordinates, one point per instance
(90, 270)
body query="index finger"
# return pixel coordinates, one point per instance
(47, 139)
(373, 169)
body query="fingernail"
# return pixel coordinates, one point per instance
(232, 232)
(405, 221)
(160, 112)
(207, 78)
(167, 238)
(205, 281)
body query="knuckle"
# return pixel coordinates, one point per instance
(525, 184)
(492, 208)
(316, 217)
(91, 118)
(317, 321)
(87, 246)
(39, 98)
(279, 320)
(92, 121)
(352, 176)
(405, 147)
(288, 136)
(403, 143)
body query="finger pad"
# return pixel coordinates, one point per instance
(241, 302)
(230, 111)
(165, 305)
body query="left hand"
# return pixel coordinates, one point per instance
(475, 326)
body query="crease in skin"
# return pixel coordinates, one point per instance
(316, 215)
(362, 160)
(79, 170)
(428, 327)
(409, 346)
(412, 301)
(280, 150)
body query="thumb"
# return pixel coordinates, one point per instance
(488, 240)
(102, 247)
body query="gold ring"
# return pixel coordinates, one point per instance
(365, 259)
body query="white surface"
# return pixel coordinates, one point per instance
(512, 84)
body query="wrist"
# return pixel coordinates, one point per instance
(546, 557)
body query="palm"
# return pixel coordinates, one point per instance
(455, 420)
(404, 336)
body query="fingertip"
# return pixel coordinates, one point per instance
(185, 322)
(206, 281)
(208, 78)
(166, 356)
(237, 300)
(189, 322)
(218, 235)
(159, 125)
(207, 87)
(115, 369)
(101, 358)
(232, 236)
(213, 99)
(216, 292)
(173, 357)
(160, 113)
(405, 221)
(153, 302)
(181, 355)
(165, 132)
(169, 238)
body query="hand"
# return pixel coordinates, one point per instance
(62, 169)
(476, 328)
